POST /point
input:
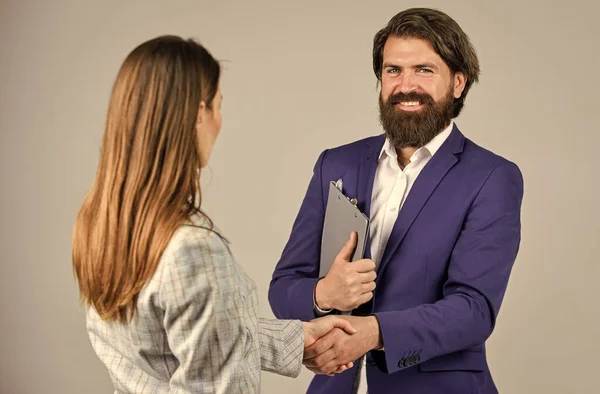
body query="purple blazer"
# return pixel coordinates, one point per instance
(443, 274)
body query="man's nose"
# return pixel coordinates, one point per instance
(407, 83)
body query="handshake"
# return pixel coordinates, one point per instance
(333, 343)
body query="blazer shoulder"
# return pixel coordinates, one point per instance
(195, 246)
(477, 156)
(351, 152)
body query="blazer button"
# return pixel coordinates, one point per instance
(401, 363)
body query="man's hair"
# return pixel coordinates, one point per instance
(444, 34)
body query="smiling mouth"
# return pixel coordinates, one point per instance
(409, 105)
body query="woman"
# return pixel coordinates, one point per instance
(169, 310)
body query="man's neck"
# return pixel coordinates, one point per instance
(404, 155)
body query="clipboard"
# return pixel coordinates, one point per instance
(342, 217)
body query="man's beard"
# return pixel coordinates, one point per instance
(415, 129)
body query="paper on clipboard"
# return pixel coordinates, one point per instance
(342, 217)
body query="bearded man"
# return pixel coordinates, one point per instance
(444, 230)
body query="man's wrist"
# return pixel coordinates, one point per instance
(321, 302)
(376, 338)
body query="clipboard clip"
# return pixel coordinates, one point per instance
(339, 184)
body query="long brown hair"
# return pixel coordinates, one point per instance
(148, 179)
(444, 34)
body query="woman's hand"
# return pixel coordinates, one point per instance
(318, 328)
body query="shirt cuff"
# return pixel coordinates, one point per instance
(318, 311)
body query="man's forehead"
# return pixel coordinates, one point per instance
(407, 44)
(409, 49)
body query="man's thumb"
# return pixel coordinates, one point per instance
(348, 248)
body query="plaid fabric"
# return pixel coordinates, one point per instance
(196, 328)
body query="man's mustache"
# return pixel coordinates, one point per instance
(412, 96)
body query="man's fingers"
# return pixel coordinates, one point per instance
(321, 360)
(330, 367)
(365, 298)
(319, 328)
(366, 277)
(343, 368)
(319, 371)
(348, 248)
(364, 265)
(344, 325)
(320, 346)
(368, 287)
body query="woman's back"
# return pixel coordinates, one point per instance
(193, 327)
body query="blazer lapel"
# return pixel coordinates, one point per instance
(431, 175)
(366, 177)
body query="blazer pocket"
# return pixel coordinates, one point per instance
(466, 360)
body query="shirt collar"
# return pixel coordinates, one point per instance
(430, 148)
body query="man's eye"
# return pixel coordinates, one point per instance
(392, 70)
(425, 70)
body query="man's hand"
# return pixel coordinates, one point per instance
(318, 328)
(347, 285)
(338, 348)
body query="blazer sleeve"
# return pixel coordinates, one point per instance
(478, 274)
(281, 346)
(291, 291)
(205, 318)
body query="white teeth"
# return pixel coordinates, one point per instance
(410, 103)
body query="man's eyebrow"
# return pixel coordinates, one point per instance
(421, 65)
(426, 65)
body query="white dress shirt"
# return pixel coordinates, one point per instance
(390, 189)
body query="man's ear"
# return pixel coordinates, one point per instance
(460, 81)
